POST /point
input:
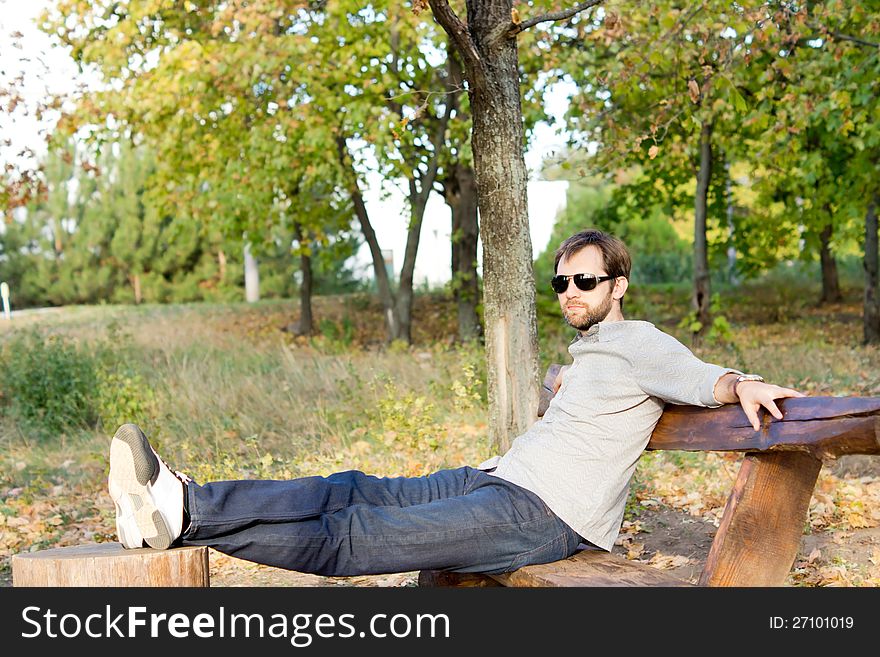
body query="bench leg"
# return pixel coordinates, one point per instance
(762, 526)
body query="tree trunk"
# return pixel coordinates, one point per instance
(702, 289)
(305, 289)
(872, 275)
(383, 285)
(251, 276)
(418, 199)
(136, 285)
(830, 282)
(421, 182)
(109, 564)
(221, 263)
(460, 192)
(486, 43)
(492, 72)
(731, 226)
(56, 236)
(404, 299)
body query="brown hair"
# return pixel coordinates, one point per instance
(614, 252)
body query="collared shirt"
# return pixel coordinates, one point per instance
(580, 457)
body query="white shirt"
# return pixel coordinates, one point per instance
(580, 457)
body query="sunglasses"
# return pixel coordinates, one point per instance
(585, 282)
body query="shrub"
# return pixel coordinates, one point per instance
(407, 419)
(123, 396)
(48, 383)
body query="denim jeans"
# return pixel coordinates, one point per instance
(351, 523)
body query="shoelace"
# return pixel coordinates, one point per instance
(184, 478)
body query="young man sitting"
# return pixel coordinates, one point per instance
(563, 482)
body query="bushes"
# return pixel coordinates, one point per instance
(123, 396)
(48, 384)
(52, 385)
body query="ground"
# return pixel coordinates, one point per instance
(679, 543)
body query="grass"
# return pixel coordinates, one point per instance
(233, 396)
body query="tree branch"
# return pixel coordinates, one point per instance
(511, 29)
(824, 34)
(458, 33)
(427, 180)
(861, 42)
(557, 15)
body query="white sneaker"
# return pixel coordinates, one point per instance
(148, 495)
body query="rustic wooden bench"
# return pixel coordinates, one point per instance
(760, 531)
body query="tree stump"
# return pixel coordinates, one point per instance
(109, 564)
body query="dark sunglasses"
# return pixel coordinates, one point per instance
(585, 282)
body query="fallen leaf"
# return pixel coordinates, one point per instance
(635, 551)
(858, 521)
(668, 561)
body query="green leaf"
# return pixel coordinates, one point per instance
(736, 98)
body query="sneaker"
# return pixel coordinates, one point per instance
(147, 493)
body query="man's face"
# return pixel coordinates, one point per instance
(584, 309)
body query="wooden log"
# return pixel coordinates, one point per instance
(822, 426)
(109, 564)
(761, 529)
(590, 568)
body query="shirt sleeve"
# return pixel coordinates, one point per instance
(666, 369)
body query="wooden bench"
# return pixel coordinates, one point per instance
(760, 531)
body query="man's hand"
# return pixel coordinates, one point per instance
(754, 394)
(557, 382)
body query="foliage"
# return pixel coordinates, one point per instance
(659, 252)
(254, 146)
(469, 390)
(813, 126)
(719, 331)
(406, 417)
(97, 237)
(122, 395)
(787, 91)
(48, 384)
(54, 385)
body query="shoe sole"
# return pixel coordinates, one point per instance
(134, 467)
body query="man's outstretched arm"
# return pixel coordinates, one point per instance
(752, 395)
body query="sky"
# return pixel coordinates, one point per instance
(388, 215)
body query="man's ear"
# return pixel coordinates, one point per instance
(620, 287)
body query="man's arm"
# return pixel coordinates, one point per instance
(557, 383)
(752, 395)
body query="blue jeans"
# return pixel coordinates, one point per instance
(351, 523)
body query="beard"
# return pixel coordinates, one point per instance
(584, 317)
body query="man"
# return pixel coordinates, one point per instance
(563, 482)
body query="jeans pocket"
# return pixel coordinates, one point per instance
(551, 551)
